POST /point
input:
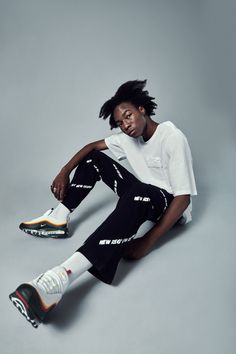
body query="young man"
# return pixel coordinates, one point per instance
(160, 156)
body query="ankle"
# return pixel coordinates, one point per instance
(55, 280)
(61, 212)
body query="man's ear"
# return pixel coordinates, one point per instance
(142, 109)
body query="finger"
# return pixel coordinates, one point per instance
(127, 254)
(54, 189)
(55, 192)
(64, 191)
(58, 191)
(128, 258)
(61, 194)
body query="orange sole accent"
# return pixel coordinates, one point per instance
(37, 222)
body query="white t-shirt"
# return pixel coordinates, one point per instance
(164, 160)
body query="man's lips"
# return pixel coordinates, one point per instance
(131, 132)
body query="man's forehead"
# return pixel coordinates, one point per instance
(124, 106)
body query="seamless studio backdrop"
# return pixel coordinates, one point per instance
(60, 60)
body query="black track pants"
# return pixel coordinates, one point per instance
(137, 203)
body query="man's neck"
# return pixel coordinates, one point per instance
(150, 129)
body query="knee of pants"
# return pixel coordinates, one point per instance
(138, 192)
(89, 161)
(94, 155)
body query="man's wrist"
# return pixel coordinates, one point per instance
(152, 236)
(65, 170)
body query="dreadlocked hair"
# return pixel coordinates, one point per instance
(130, 91)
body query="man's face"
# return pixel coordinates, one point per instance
(131, 120)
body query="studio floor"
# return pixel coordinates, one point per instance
(178, 299)
(60, 61)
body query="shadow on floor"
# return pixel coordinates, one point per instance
(199, 210)
(200, 204)
(127, 266)
(71, 306)
(68, 310)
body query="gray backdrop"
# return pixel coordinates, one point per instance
(59, 61)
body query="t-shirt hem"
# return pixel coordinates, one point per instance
(182, 192)
(109, 145)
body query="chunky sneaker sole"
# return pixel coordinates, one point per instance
(37, 298)
(27, 300)
(45, 229)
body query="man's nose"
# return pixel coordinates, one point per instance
(126, 125)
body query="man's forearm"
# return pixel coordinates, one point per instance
(171, 216)
(80, 155)
(75, 160)
(61, 181)
(140, 247)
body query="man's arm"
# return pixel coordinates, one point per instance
(142, 246)
(61, 182)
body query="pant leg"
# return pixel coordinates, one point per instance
(105, 247)
(97, 166)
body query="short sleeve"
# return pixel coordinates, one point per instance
(180, 169)
(113, 143)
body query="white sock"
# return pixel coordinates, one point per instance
(61, 213)
(76, 265)
(54, 281)
(59, 278)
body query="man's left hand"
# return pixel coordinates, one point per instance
(137, 249)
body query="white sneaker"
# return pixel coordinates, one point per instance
(46, 226)
(36, 298)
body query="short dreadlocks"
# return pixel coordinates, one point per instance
(130, 91)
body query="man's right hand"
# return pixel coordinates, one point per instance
(61, 182)
(60, 185)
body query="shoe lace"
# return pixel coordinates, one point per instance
(53, 281)
(48, 212)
